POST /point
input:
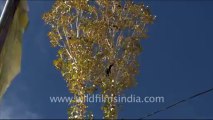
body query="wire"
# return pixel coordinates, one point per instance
(173, 105)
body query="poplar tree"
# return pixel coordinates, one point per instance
(98, 43)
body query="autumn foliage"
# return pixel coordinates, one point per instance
(98, 42)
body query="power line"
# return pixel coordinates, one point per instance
(173, 105)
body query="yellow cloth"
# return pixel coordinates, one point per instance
(10, 56)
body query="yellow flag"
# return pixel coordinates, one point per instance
(10, 54)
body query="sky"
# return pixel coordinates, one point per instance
(176, 63)
(1, 5)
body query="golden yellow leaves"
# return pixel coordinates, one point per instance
(49, 17)
(58, 63)
(54, 38)
(65, 20)
(90, 37)
(103, 3)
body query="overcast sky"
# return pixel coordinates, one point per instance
(176, 63)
